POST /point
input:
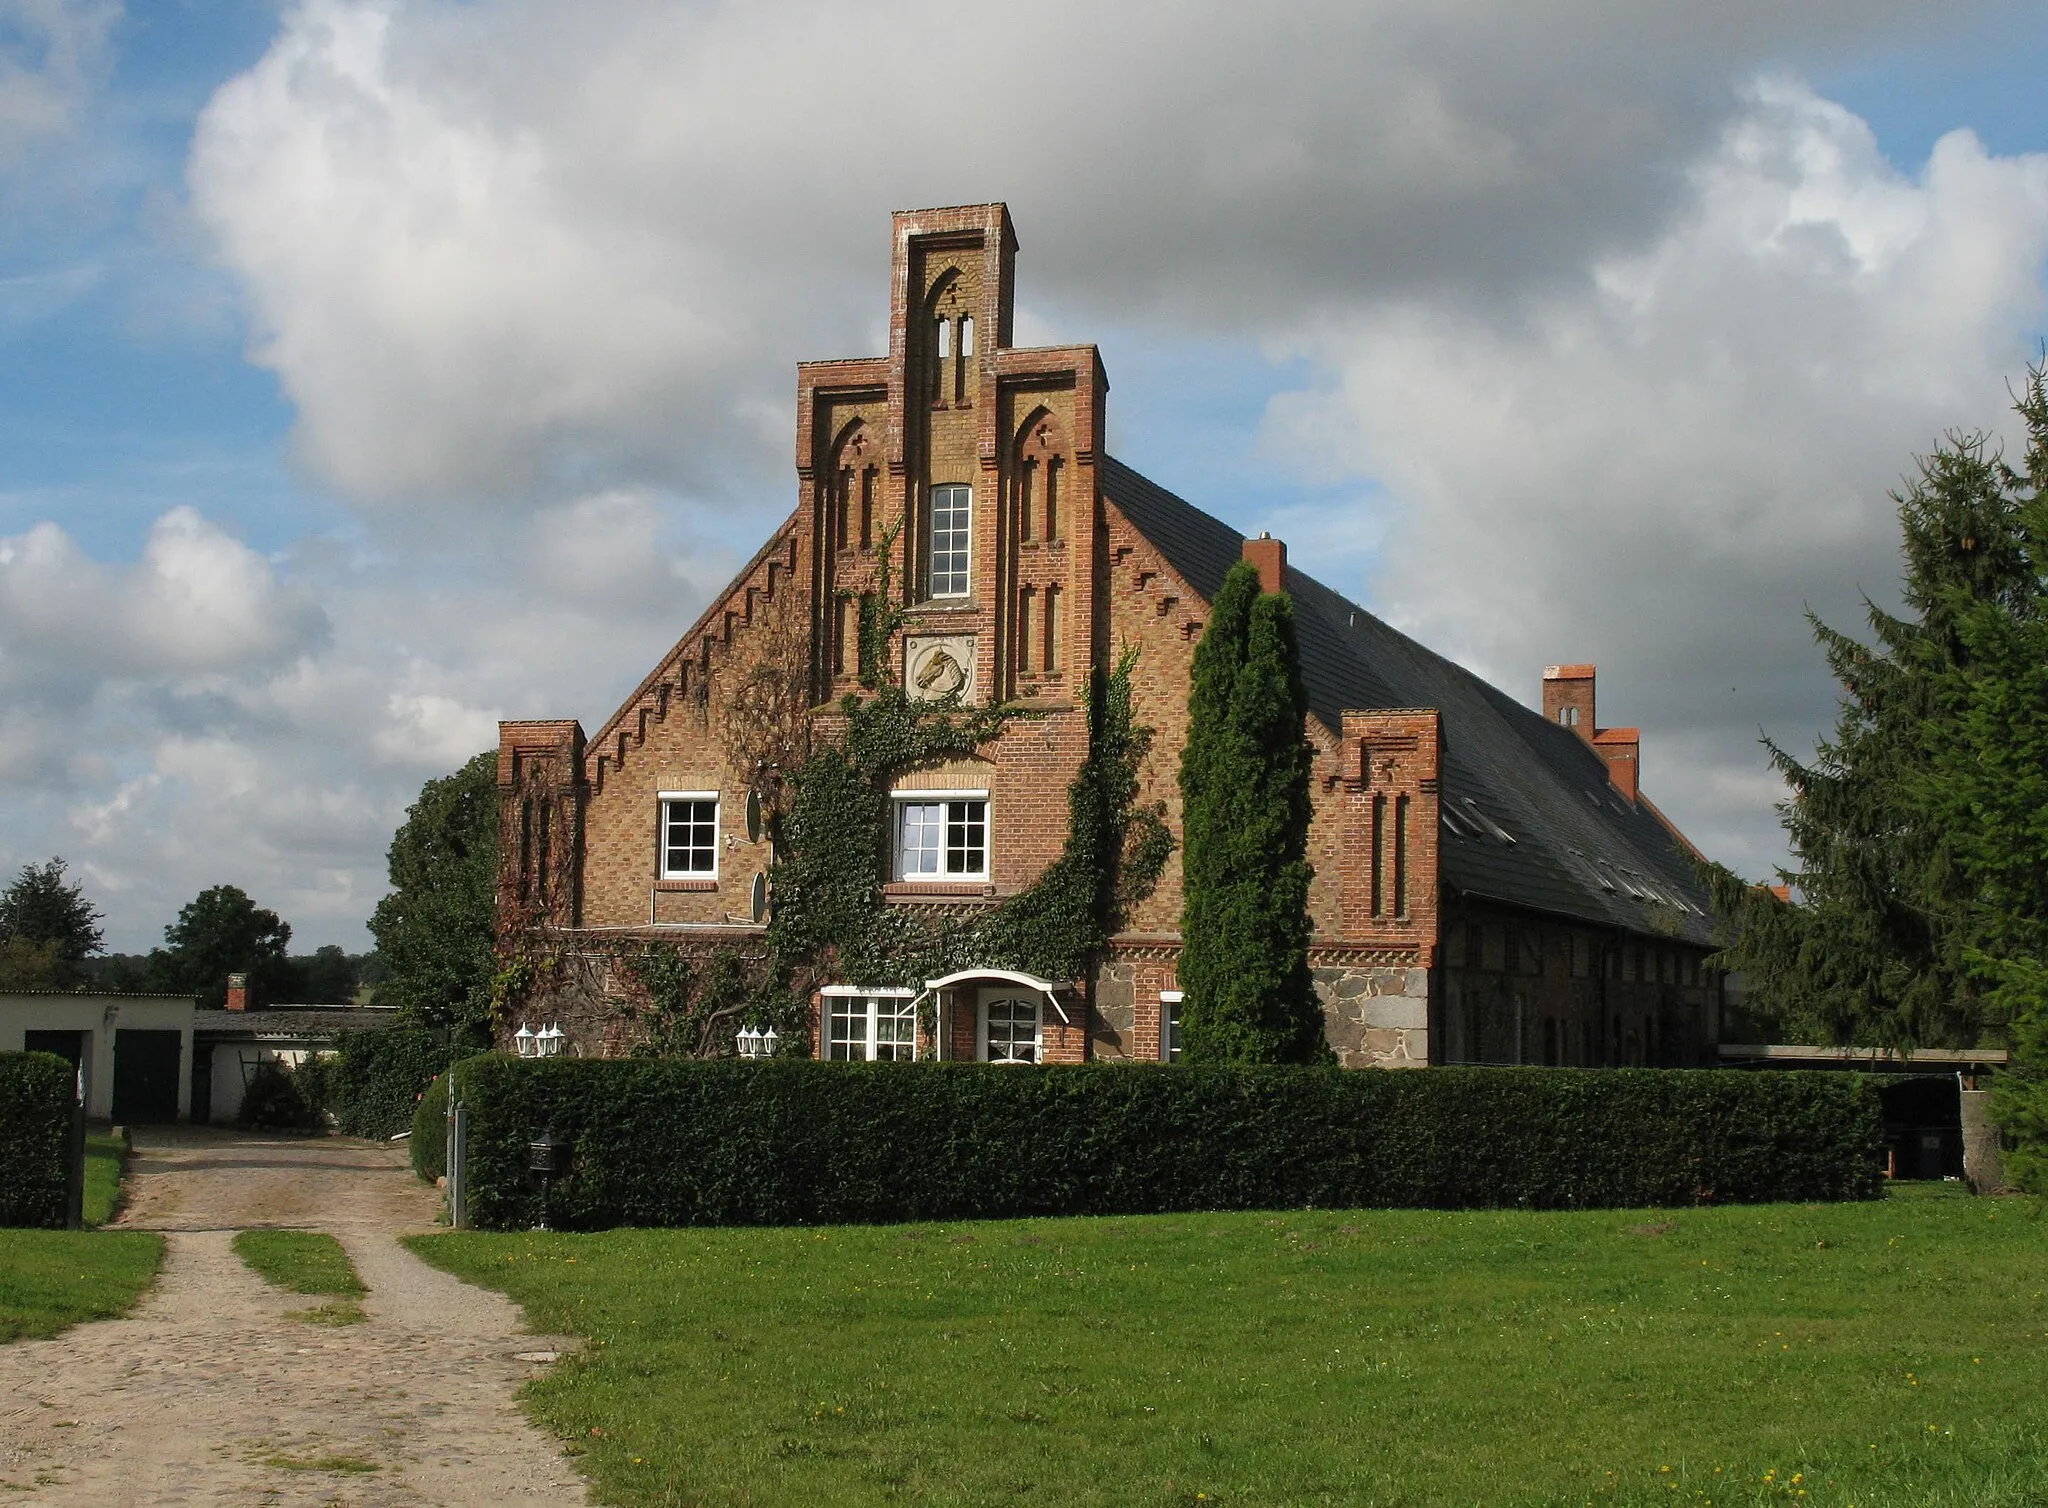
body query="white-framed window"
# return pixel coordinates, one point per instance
(689, 835)
(941, 835)
(870, 1025)
(1169, 1026)
(1012, 1029)
(952, 530)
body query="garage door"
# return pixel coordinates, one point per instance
(145, 1077)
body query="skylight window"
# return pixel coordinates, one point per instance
(1462, 826)
(1486, 823)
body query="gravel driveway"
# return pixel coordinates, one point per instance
(207, 1393)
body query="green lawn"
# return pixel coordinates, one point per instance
(1893, 1353)
(52, 1279)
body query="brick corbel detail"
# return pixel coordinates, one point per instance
(1389, 797)
(685, 671)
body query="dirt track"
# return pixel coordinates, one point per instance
(208, 1393)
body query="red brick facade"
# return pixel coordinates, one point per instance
(963, 472)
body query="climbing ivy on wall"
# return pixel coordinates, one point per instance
(830, 918)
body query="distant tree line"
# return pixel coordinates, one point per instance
(435, 931)
(51, 938)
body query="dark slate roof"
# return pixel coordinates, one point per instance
(308, 1022)
(1578, 848)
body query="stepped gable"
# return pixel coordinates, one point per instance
(685, 670)
(1531, 816)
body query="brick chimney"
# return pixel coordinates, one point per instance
(1568, 701)
(1270, 556)
(238, 992)
(1622, 748)
(1568, 698)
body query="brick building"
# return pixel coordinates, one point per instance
(1491, 883)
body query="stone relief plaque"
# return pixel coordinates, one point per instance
(935, 668)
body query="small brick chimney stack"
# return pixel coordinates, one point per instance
(1568, 698)
(1622, 748)
(1269, 555)
(1568, 701)
(238, 992)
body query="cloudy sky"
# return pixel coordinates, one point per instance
(374, 369)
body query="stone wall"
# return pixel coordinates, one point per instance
(1376, 1015)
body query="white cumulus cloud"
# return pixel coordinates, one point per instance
(490, 247)
(1657, 468)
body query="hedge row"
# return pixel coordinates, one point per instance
(373, 1084)
(36, 1093)
(430, 1131)
(798, 1142)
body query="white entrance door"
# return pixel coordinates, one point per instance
(1010, 1026)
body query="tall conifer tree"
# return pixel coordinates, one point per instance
(1245, 813)
(1988, 793)
(1920, 832)
(1876, 949)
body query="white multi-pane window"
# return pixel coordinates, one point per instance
(689, 835)
(1009, 1027)
(952, 526)
(941, 835)
(870, 1026)
(1169, 1026)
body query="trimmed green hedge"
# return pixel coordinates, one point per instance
(667, 1142)
(430, 1125)
(36, 1091)
(373, 1084)
(430, 1131)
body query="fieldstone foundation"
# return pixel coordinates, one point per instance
(1376, 1017)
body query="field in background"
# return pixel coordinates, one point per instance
(1890, 1353)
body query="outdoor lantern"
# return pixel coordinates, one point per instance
(547, 1041)
(749, 1042)
(768, 1041)
(523, 1040)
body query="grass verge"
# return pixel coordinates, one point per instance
(1893, 1353)
(53, 1279)
(106, 1158)
(303, 1261)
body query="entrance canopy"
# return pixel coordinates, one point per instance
(1044, 987)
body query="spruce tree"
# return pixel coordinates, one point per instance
(1877, 948)
(1245, 813)
(39, 908)
(1988, 793)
